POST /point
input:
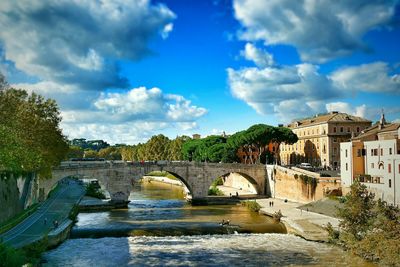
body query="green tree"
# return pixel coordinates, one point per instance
(156, 148)
(30, 137)
(369, 228)
(357, 213)
(110, 153)
(175, 148)
(189, 149)
(75, 152)
(90, 153)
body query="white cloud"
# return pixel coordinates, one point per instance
(373, 77)
(271, 89)
(320, 30)
(359, 111)
(167, 30)
(131, 116)
(79, 42)
(260, 57)
(128, 133)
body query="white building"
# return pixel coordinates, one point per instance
(374, 159)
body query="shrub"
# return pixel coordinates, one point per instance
(10, 256)
(296, 176)
(92, 190)
(251, 205)
(214, 191)
(217, 181)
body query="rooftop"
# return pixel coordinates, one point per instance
(331, 117)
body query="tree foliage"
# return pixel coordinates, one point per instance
(369, 228)
(30, 137)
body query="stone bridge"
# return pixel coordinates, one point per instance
(118, 177)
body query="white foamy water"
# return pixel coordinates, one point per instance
(203, 250)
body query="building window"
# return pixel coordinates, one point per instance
(341, 129)
(348, 129)
(372, 152)
(375, 152)
(399, 168)
(390, 183)
(390, 151)
(372, 165)
(334, 129)
(381, 151)
(347, 167)
(334, 140)
(389, 168)
(381, 166)
(358, 129)
(346, 153)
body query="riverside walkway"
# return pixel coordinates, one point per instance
(307, 224)
(56, 207)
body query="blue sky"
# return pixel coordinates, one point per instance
(125, 70)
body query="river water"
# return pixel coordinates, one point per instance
(160, 229)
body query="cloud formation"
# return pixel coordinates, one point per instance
(272, 88)
(260, 57)
(373, 77)
(120, 116)
(79, 42)
(320, 30)
(295, 91)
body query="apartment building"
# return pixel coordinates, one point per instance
(320, 138)
(373, 158)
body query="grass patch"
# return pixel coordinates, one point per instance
(162, 174)
(7, 225)
(251, 205)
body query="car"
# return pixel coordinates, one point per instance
(305, 165)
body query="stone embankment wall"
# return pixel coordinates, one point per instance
(286, 186)
(236, 180)
(16, 194)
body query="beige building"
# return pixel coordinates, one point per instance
(373, 158)
(320, 138)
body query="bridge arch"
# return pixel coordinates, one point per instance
(230, 179)
(179, 177)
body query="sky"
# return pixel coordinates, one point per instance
(124, 70)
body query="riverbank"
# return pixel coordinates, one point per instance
(43, 221)
(307, 224)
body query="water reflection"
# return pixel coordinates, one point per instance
(160, 209)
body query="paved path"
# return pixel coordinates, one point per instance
(310, 225)
(56, 207)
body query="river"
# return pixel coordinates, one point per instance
(160, 229)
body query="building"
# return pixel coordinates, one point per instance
(373, 158)
(320, 138)
(196, 136)
(249, 155)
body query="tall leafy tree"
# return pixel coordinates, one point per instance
(30, 137)
(110, 153)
